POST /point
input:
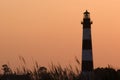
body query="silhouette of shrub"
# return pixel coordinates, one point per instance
(105, 74)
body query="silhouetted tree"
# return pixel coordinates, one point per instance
(105, 74)
(6, 69)
(118, 74)
(43, 74)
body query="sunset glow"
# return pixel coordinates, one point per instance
(51, 31)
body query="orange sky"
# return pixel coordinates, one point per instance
(50, 30)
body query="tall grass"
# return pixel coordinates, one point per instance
(54, 72)
(57, 72)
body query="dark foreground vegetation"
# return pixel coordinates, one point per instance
(56, 72)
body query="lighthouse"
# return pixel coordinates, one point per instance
(87, 56)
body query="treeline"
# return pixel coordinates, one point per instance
(106, 74)
(59, 73)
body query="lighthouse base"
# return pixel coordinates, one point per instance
(87, 75)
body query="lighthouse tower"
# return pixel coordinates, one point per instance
(87, 58)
